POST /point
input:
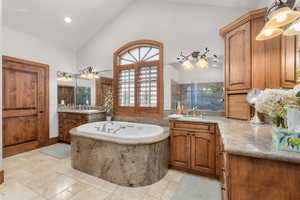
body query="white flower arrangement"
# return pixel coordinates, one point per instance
(274, 103)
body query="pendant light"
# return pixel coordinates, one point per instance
(294, 29)
(278, 17)
(283, 17)
(268, 33)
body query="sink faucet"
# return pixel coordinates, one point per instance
(195, 108)
(104, 126)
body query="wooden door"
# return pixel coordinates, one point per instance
(289, 58)
(66, 94)
(180, 149)
(103, 86)
(238, 58)
(203, 152)
(25, 105)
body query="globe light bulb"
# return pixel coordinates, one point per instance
(202, 63)
(281, 17)
(187, 65)
(297, 26)
(268, 32)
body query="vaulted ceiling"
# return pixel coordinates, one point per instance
(44, 18)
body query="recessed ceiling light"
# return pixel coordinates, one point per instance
(68, 20)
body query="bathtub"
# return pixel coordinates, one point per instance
(124, 153)
(122, 130)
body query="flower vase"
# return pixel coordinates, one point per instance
(108, 118)
(293, 119)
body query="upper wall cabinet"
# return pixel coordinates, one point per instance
(255, 64)
(238, 58)
(289, 62)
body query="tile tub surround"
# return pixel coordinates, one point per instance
(242, 138)
(122, 162)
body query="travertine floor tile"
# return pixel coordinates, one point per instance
(16, 191)
(91, 194)
(41, 177)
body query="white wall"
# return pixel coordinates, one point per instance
(24, 46)
(265, 3)
(1, 164)
(180, 27)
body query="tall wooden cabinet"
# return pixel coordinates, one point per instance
(255, 64)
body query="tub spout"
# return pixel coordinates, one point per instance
(104, 129)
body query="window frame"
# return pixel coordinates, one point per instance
(136, 110)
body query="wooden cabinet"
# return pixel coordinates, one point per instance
(255, 64)
(203, 150)
(193, 147)
(289, 62)
(250, 178)
(180, 148)
(67, 121)
(238, 58)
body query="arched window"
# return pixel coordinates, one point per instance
(138, 79)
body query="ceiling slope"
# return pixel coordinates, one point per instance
(45, 19)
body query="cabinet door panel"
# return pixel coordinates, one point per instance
(180, 149)
(238, 58)
(288, 61)
(203, 155)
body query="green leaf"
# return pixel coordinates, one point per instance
(298, 94)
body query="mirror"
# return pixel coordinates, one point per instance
(80, 91)
(197, 89)
(76, 92)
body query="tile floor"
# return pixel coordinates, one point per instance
(36, 176)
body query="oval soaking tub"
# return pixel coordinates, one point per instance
(124, 153)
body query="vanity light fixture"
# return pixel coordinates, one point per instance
(279, 18)
(65, 77)
(197, 59)
(89, 73)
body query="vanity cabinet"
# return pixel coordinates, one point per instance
(67, 121)
(255, 64)
(193, 147)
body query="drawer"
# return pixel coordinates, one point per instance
(75, 116)
(238, 107)
(195, 126)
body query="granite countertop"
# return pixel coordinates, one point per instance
(86, 112)
(242, 138)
